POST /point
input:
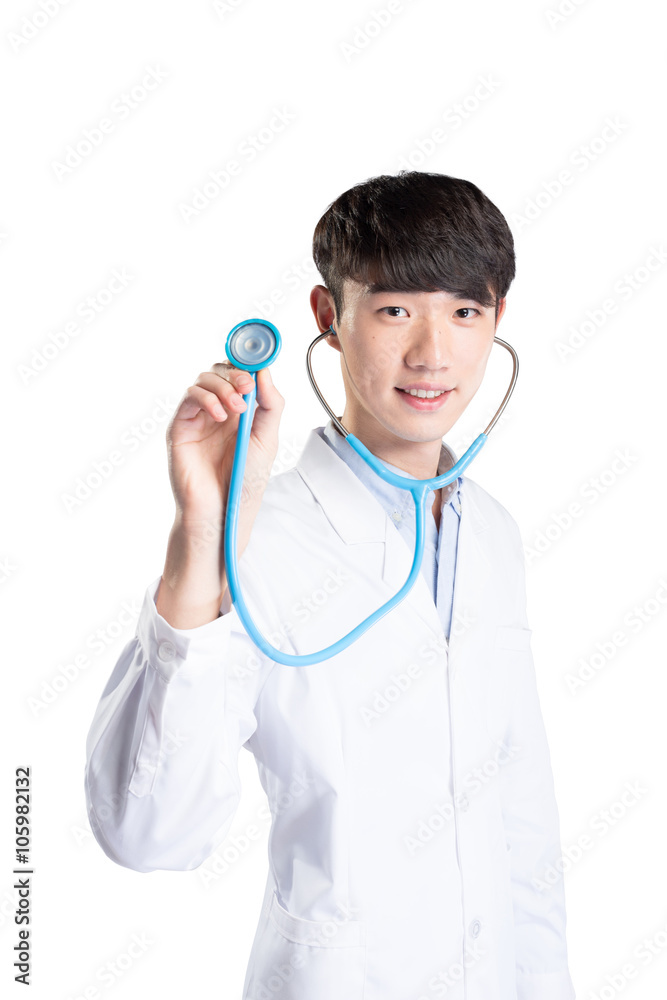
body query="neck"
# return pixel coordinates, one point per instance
(419, 458)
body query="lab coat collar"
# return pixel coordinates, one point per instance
(388, 495)
(357, 516)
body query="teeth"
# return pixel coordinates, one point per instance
(424, 393)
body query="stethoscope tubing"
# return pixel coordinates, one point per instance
(418, 489)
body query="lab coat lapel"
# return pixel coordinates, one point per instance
(351, 509)
(357, 517)
(397, 563)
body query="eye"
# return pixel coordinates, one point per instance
(469, 310)
(393, 310)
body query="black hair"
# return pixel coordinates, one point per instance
(415, 231)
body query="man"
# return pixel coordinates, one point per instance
(409, 779)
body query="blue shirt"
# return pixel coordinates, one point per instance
(439, 563)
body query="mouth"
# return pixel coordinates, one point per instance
(424, 399)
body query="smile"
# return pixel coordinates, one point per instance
(424, 399)
(424, 393)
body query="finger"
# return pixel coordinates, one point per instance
(198, 399)
(238, 377)
(228, 389)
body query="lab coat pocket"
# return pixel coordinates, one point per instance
(300, 959)
(510, 657)
(509, 637)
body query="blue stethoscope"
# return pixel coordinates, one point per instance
(255, 344)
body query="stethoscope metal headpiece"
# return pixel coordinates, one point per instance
(344, 431)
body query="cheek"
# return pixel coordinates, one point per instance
(474, 353)
(359, 371)
(474, 362)
(372, 364)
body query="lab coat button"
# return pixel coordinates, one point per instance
(396, 516)
(166, 651)
(475, 928)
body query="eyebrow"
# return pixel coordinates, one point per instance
(372, 290)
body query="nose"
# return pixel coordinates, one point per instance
(429, 345)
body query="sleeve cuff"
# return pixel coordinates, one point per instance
(168, 648)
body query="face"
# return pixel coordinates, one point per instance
(394, 341)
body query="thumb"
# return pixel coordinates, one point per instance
(270, 404)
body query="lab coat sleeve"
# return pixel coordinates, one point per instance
(531, 821)
(161, 777)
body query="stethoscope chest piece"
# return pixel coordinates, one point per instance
(253, 344)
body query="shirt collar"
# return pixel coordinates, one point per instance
(392, 498)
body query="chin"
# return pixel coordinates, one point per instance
(420, 435)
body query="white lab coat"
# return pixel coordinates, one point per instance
(409, 779)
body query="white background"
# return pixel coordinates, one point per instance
(360, 99)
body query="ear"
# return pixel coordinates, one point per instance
(501, 309)
(322, 304)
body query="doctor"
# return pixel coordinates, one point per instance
(409, 777)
